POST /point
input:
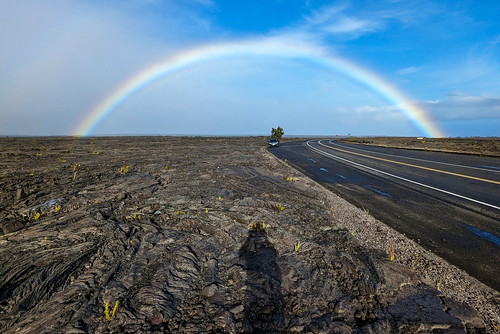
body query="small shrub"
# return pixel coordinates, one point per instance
(257, 226)
(123, 170)
(111, 315)
(297, 246)
(391, 254)
(74, 168)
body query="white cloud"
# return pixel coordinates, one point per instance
(463, 107)
(59, 58)
(325, 14)
(408, 70)
(344, 24)
(333, 20)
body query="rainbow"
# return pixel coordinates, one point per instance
(273, 48)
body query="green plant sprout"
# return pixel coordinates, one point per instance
(280, 207)
(391, 254)
(297, 246)
(291, 178)
(123, 170)
(135, 216)
(74, 168)
(111, 315)
(257, 226)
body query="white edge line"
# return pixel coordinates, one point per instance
(402, 156)
(399, 177)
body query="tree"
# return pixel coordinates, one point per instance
(277, 133)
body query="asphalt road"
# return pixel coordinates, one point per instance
(448, 203)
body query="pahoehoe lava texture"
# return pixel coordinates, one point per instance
(263, 298)
(201, 235)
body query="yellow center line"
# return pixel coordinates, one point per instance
(410, 165)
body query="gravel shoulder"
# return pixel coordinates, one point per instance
(212, 235)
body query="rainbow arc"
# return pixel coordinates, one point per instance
(414, 113)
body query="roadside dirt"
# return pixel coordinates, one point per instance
(475, 146)
(207, 235)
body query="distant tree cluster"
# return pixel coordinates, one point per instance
(277, 133)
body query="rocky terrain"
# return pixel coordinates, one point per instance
(207, 235)
(489, 146)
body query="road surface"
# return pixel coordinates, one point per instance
(448, 203)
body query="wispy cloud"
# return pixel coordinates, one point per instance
(325, 14)
(408, 70)
(345, 24)
(333, 20)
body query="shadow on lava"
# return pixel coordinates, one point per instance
(264, 304)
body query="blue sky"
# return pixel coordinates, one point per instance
(61, 58)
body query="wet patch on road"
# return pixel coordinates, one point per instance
(380, 192)
(483, 234)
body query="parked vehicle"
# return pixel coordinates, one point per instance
(273, 142)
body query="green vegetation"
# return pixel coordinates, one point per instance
(123, 170)
(391, 253)
(258, 226)
(280, 207)
(111, 315)
(277, 133)
(74, 168)
(297, 246)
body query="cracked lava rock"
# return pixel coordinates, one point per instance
(206, 235)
